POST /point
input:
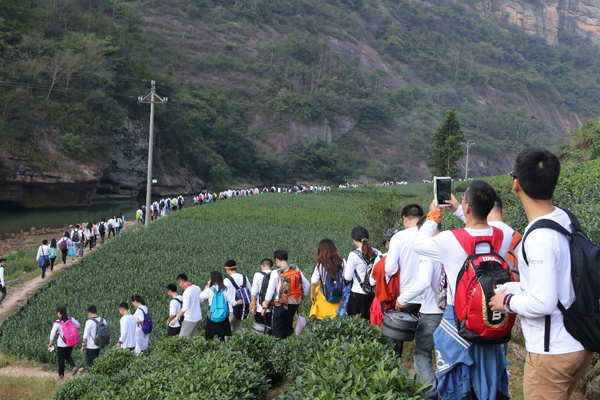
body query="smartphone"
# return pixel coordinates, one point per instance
(442, 189)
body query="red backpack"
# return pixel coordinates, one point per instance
(479, 276)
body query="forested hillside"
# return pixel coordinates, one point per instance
(274, 90)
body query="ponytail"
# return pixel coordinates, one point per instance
(361, 234)
(367, 250)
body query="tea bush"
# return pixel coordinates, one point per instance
(112, 361)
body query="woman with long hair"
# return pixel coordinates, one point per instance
(63, 351)
(329, 266)
(141, 338)
(360, 264)
(215, 287)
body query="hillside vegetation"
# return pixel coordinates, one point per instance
(240, 73)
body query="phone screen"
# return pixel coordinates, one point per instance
(443, 189)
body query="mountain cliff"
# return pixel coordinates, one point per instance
(280, 91)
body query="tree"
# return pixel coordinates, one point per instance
(447, 149)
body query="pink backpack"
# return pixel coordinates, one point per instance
(70, 333)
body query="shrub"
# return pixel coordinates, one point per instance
(256, 346)
(112, 361)
(89, 386)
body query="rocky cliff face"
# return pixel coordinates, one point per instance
(546, 18)
(72, 184)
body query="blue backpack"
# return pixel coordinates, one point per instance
(218, 308)
(147, 325)
(333, 290)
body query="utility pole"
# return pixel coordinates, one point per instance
(154, 98)
(468, 143)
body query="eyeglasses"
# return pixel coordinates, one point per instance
(512, 174)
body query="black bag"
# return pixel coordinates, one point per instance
(365, 284)
(102, 338)
(75, 238)
(582, 318)
(241, 311)
(102, 228)
(183, 316)
(263, 287)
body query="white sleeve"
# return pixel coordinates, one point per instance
(316, 275)
(273, 283)
(350, 266)
(305, 284)
(421, 285)
(255, 286)
(230, 292)
(425, 244)
(541, 297)
(39, 254)
(87, 330)
(75, 322)
(186, 302)
(54, 331)
(2, 277)
(372, 281)
(206, 294)
(124, 332)
(460, 214)
(392, 260)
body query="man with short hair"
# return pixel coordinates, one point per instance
(283, 314)
(555, 360)
(175, 305)
(127, 324)
(456, 357)
(266, 267)
(190, 309)
(92, 350)
(233, 282)
(401, 256)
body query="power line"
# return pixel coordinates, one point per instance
(60, 89)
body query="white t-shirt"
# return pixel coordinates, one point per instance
(128, 326)
(57, 329)
(141, 338)
(257, 282)
(89, 332)
(174, 308)
(445, 248)
(208, 294)
(545, 280)
(356, 263)
(43, 250)
(230, 292)
(191, 304)
(402, 253)
(428, 279)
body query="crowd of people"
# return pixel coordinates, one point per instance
(422, 273)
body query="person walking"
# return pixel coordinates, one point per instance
(64, 244)
(357, 271)
(175, 305)
(329, 264)
(260, 283)
(141, 338)
(88, 345)
(190, 308)
(63, 351)
(90, 234)
(215, 287)
(237, 283)
(102, 230)
(120, 223)
(52, 256)
(2, 282)
(43, 257)
(128, 326)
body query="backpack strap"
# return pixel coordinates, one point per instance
(262, 273)
(235, 284)
(469, 242)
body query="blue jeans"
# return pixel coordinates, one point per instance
(90, 356)
(428, 323)
(119, 230)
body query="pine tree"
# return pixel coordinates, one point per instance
(447, 149)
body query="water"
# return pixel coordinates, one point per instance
(15, 220)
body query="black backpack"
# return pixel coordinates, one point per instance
(264, 286)
(582, 319)
(75, 238)
(183, 316)
(365, 284)
(102, 228)
(102, 338)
